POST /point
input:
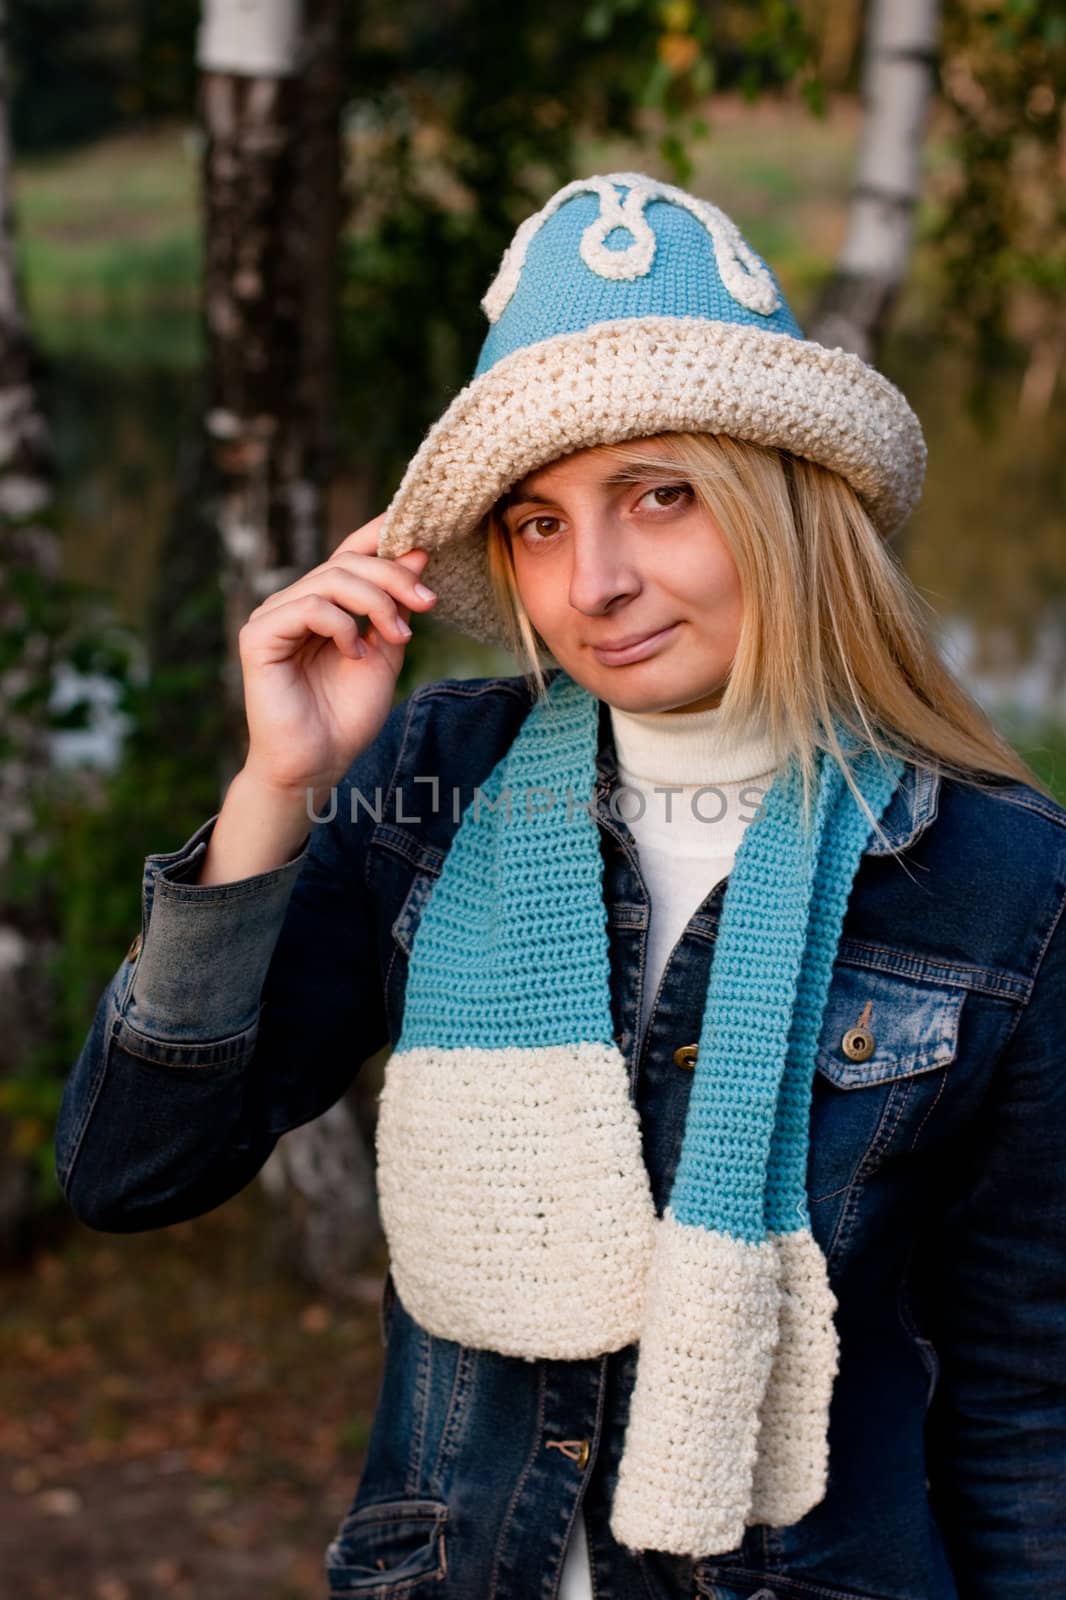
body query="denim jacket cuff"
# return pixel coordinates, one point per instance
(204, 949)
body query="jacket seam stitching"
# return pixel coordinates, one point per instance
(936, 1098)
(460, 691)
(516, 1493)
(424, 857)
(927, 969)
(414, 699)
(1052, 929)
(205, 1061)
(78, 1141)
(1035, 804)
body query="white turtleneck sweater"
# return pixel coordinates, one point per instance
(686, 841)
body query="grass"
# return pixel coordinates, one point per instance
(109, 249)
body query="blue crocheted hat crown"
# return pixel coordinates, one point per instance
(626, 246)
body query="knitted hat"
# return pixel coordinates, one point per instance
(514, 1196)
(626, 307)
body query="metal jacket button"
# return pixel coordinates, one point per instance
(685, 1055)
(858, 1044)
(135, 949)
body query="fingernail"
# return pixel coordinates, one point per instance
(360, 648)
(423, 592)
(404, 629)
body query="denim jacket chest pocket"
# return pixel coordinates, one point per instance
(884, 1057)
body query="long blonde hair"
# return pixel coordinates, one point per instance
(833, 630)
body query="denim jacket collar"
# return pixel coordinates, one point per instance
(910, 811)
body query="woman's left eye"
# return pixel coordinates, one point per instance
(667, 495)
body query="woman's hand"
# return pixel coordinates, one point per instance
(315, 693)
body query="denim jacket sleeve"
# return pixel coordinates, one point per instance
(247, 1011)
(997, 1427)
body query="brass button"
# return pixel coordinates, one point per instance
(685, 1055)
(858, 1044)
(134, 950)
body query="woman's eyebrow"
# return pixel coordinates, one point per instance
(527, 493)
(519, 495)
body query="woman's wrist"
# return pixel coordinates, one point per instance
(258, 829)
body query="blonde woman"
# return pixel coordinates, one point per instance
(720, 953)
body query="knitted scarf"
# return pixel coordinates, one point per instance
(513, 1193)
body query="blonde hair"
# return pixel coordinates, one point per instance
(833, 630)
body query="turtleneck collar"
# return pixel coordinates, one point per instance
(687, 747)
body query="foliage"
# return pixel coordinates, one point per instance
(999, 204)
(40, 624)
(1044, 747)
(83, 68)
(89, 827)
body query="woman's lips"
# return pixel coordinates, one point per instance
(633, 652)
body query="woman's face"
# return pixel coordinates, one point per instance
(602, 563)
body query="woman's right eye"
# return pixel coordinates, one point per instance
(538, 524)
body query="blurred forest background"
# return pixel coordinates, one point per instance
(236, 290)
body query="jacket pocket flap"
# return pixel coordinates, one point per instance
(877, 1027)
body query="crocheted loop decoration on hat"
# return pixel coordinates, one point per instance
(743, 273)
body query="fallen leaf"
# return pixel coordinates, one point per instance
(59, 1502)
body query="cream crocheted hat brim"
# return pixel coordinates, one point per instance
(626, 380)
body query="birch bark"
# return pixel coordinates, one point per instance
(271, 92)
(898, 82)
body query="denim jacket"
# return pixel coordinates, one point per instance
(936, 1177)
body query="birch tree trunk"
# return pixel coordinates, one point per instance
(898, 80)
(29, 569)
(271, 92)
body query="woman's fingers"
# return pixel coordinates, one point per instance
(295, 620)
(354, 583)
(385, 592)
(402, 575)
(347, 593)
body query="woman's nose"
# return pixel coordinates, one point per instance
(601, 574)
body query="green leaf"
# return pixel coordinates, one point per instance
(674, 153)
(596, 23)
